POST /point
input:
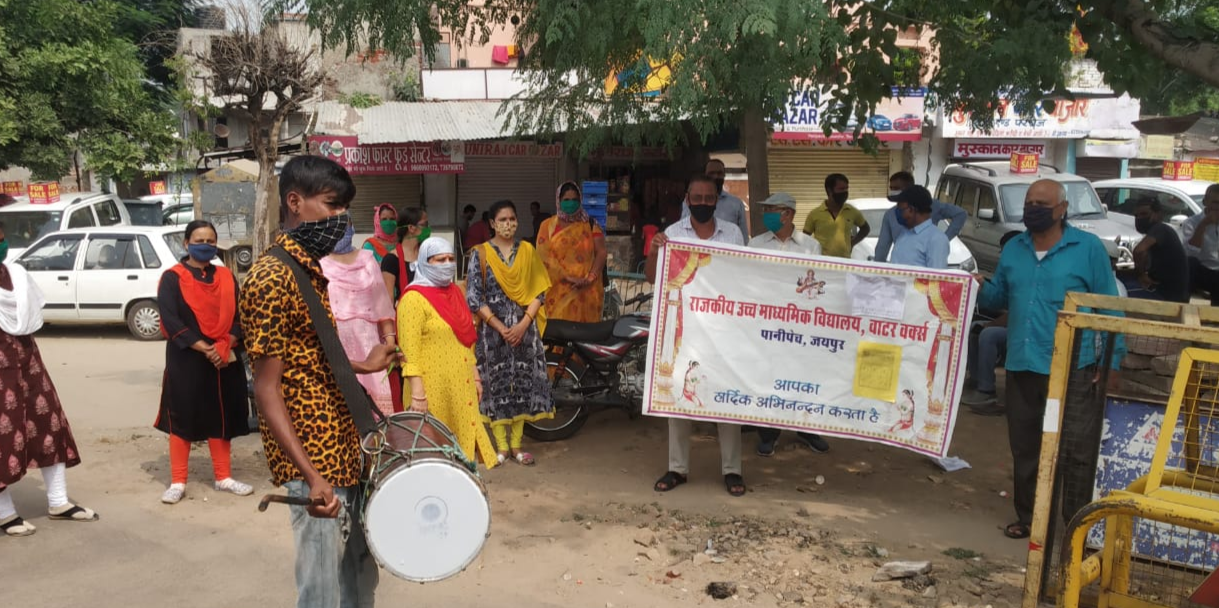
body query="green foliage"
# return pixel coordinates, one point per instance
(407, 87)
(360, 100)
(152, 25)
(68, 84)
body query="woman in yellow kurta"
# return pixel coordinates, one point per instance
(573, 248)
(436, 334)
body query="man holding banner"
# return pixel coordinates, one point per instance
(701, 225)
(779, 217)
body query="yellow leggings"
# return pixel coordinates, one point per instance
(501, 435)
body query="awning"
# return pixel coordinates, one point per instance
(401, 122)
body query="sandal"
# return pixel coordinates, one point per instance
(501, 458)
(1016, 530)
(735, 484)
(524, 458)
(669, 481)
(74, 513)
(15, 526)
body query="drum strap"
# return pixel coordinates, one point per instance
(359, 404)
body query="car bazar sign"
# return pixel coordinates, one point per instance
(390, 159)
(898, 118)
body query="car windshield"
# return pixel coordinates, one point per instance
(174, 240)
(1081, 201)
(22, 228)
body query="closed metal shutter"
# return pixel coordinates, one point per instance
(401, 191)
(801, 173)
(521, 180)
(1095, 169)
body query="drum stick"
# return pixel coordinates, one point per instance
(287, 500)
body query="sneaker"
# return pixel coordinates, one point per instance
(814, 442)
(976, 397)
(766, 449)
(233, 486)
(174, 493)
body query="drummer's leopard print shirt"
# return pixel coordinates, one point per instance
(276, 322)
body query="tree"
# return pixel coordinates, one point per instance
(263, 79)
(68, 84)
(152, 25)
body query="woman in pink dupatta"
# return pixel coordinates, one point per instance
(362, 311)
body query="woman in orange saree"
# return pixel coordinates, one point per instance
(572, 246)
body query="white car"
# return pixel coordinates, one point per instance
(1179, 200)
(105, 275)
(26, 222)
(873, 210)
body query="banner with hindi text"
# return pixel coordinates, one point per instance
(838, 347)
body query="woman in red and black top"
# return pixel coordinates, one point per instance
(203, 394)
(398, 266)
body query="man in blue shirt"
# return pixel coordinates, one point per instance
(1035, 272)
(892, 227)
(923, 244)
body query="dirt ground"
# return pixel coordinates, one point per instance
(582, 528)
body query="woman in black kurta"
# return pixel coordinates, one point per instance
(203, 395)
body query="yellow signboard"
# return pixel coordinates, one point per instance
(1206, 169)
(658, 73)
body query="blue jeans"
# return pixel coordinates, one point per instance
(334, 567)
(985, 349)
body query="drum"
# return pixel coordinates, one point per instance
(426, 515)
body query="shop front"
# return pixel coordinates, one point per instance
(519, 171)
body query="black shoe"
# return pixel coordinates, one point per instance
(814, 442)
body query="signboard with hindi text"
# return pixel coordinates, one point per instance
(1206, 169)
(851, 349)
(390, 159)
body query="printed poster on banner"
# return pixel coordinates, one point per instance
(850, 349)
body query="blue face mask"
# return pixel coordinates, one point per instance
(773, 221)
(201, 252)
(901, 217)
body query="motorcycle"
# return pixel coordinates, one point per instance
(594, 366)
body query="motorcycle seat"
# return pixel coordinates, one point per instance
(569, 331)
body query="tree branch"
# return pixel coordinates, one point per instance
(1194, 56)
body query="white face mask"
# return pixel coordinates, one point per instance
(893, 193)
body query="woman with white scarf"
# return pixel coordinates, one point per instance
(436, 334)
(34, 432)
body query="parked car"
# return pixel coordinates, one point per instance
(26, 222)
(104, 275)
(144, 213)
(178, 215)
(880, 123)
(873, 209)
(993, 197)
(908, 122)
(1179, 200)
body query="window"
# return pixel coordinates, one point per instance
(112, 253)
(174, 240)
(22, 228)
(1081, 201)
(151, 259)
(967, 198)
(81, 218)
(986, 200)
(108, 213)
(947, 190)
(179, 216)
(54, 254)
(443, 60)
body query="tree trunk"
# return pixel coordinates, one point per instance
(266, 205)
(755, 134)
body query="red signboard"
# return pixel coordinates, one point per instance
(44, 193)
(390, 159)
(1178, 170)
(13, 188)
(1023, 163)
(157, 187)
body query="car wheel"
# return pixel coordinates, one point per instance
(144, 320)
(244, 257)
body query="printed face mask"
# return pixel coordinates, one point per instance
(506, 229)
(319, 238)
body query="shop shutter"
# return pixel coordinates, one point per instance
(401, 191)
(1095, 169)
(801, 173)
(521, 180)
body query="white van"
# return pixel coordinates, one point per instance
(25, 222)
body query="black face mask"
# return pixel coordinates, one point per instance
(841, 197)
(702, 213)
(719, 186)
(320, 238)
(1143, 224)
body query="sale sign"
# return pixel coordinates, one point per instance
(1178, 170)
(860, 350)
(157, 187)
(1023, 163)
(44, 193)
(12, 188)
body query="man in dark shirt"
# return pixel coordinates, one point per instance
(1159, 259)
(539, 216)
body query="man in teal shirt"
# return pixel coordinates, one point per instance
(1036, 271)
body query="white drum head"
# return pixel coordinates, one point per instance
(428, 521)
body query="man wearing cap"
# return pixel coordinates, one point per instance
(923, 244)
(892, 227)
(779, 217)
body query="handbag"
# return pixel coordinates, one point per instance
(359, 404)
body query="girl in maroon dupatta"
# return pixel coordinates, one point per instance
(203, 395)
(436, 334)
